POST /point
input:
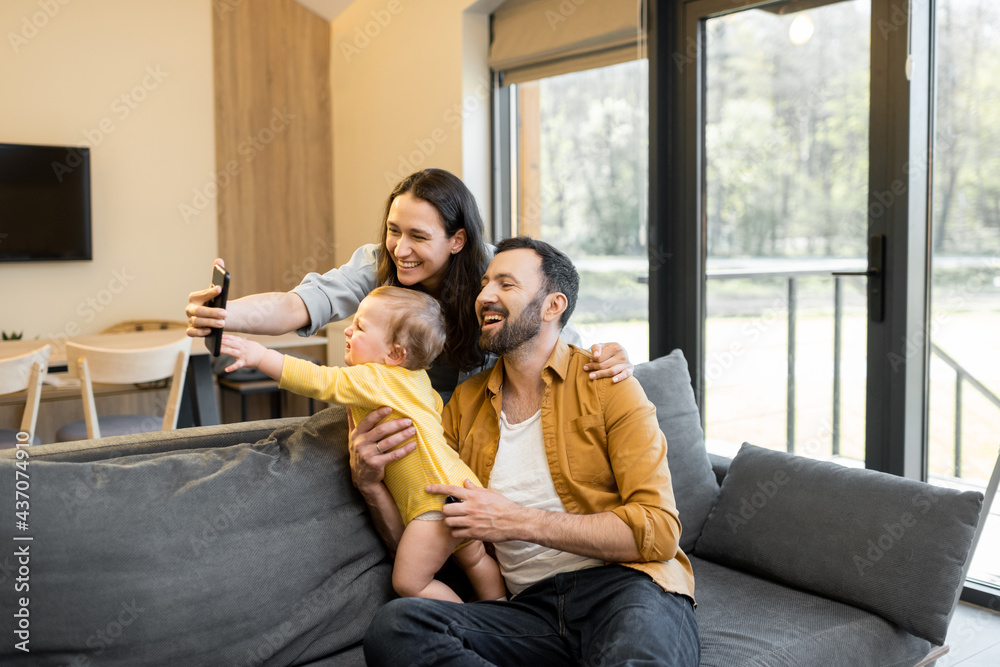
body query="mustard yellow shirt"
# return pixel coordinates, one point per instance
(605, 451)
(409, 394)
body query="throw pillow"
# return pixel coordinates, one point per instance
(891, 545)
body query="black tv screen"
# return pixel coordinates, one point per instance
(44, 203)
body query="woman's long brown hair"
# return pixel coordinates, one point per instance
(461, 285)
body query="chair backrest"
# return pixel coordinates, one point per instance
(128, 366)
(26, 372)
(144, 325)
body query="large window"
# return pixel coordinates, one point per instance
(768, 139)
(572, 150)
(578, 152)
(786, 159)
(965, 298)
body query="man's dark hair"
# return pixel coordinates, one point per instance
(558, 272)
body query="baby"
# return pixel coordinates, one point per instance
(395, 335)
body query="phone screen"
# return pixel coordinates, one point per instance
(213, 341)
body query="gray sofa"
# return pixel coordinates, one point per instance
(247, 545)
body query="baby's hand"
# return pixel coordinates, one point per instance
(246, 352)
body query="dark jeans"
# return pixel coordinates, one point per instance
(609, 615)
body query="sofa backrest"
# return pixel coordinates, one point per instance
(251, 548)
(667, 384)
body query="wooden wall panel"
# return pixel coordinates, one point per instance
(274, 147)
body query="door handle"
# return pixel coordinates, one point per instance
(875, 275)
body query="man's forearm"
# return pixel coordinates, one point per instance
(385, 515)
(271, 313)
(603, 535)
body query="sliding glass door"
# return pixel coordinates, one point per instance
(964, 396)
(795, 221)
(786, 110)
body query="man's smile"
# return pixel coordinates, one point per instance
(492, 316)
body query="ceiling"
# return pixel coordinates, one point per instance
(328, 9)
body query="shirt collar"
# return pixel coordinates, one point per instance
(559, 359)
(558, 363)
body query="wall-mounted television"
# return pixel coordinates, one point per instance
(44, 203)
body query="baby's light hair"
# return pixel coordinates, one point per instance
(415, 322)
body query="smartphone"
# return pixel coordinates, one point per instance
(213, 341)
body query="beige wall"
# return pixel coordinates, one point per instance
(63, 75)
(410, 90)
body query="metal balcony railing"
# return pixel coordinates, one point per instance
(791, 272)
(962, 376)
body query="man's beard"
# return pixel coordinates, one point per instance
(515, 332)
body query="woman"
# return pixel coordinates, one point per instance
(431, 240)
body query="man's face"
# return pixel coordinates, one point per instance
(511, 301)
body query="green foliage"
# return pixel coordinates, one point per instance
(594, 160)
(787, 135)
(13, 335)
(967, 129)
(787, 140)
(610, 296)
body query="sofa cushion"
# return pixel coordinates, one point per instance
(891, 545)
(667, 384)
(749, 621)
(256, 553)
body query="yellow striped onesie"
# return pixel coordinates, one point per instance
(369, 386)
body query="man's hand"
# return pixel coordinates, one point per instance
(482, 514)
(485, 514)
(609, 360)
(373, 446)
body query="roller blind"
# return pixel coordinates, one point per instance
(533, 39)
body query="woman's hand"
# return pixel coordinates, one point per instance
(373, 446)
(202, 319)
(609, 360)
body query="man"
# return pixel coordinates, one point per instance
(579, 504)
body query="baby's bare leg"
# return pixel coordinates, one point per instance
(482, 571)
(423, 549)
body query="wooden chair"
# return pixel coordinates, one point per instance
(117, 366)
(24, 372)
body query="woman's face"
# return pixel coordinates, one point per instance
(418, 244)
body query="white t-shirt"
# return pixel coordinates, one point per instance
(521, 474)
